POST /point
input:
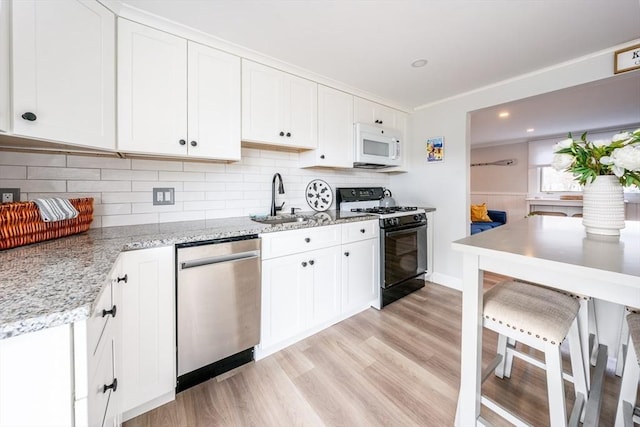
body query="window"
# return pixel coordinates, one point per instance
(552, 180)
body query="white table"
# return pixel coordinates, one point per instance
(553, 251)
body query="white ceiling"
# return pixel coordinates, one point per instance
(369, 44)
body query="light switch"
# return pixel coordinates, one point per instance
(163, 196)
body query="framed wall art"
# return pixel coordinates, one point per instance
(435, 149)
(627, 59)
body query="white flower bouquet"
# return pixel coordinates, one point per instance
(587, 160)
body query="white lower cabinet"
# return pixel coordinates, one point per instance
(148, 330)
(360, 273)
(305, 290)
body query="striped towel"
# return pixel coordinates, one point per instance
(55, 209)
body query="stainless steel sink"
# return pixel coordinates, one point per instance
(280, 219)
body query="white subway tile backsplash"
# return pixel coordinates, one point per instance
(149, 185)
(35, 185)
(13, 172)
(204, 167)
(182, 216)
(156, 165)
(140, 208)
(32, 159)
(97, 162)
(38, 172)
(99, 185)
(122, 188)
(115, 220)
(126, 197)
(181, 176)
(128, 175)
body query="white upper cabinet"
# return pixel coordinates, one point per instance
(278, 108)
(176, 97)
(152, 90)
(64, 72)
(369, 112)
(335, 131)
(213, 103)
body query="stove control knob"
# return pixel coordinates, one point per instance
(353, 192)
(396, 221)
(416, 217)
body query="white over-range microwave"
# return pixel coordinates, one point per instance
(376, 147)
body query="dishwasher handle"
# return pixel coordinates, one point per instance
(219, 259)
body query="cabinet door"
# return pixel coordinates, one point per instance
(324, 295)
(300, 112)
(372, 113)
(360, 274)
(284, 297)
(36, 387)
(64, 72)
(262, 104)
(152, 90)
(335, 131)
(213, 103)
(5, 68)
(100, 398)
(148, 326)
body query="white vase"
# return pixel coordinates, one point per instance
(603, 206)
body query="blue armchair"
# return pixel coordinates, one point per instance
(498, 218)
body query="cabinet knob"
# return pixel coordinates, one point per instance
(113, 386)
(288, 134)
(29, 116)
(311, 262)
(307, 239)
(182, 142)
(281, 133)
(194, 143)
(111, 312)
(124, 279)
(304, 263)
(322, 156)
(362, 230)
(346, 254)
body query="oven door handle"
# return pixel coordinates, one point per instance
(406, 231)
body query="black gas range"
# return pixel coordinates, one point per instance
(403, 240)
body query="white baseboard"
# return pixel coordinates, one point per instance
(446, 280)
(146, 407)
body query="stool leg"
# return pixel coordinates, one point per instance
(555, 386)
(593, 328)
(624, 338)
(578, 368)
(584, 318)
(502, 350)
(509, 363)
(629, 386)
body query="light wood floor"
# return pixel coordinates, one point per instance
(395, 367)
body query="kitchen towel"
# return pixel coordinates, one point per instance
(55, 209)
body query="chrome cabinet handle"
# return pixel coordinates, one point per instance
(124, 279)
(306, 239)
(311, 262)
(304, 263)
(346, 254)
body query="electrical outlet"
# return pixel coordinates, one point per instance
(164, 196)
(10, 195)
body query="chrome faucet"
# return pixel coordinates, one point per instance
(275, 208)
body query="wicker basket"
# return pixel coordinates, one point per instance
(20, 223)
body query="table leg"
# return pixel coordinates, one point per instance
(471, 349)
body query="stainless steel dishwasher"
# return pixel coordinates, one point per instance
(218, 307)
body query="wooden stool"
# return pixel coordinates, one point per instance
(540, 318)
(630, 374)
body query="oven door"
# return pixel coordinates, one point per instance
(404, 254)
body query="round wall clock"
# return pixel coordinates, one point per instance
(319, 195)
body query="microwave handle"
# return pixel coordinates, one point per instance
(396, 149)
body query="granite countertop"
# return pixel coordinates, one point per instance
(58, 281)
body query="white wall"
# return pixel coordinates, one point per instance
(445, 186)
(122, 188)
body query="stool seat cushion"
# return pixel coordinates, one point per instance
(633, 320)
(535, 310)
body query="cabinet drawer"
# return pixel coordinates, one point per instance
(294, 241)
(97, 322)
(356, 231)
